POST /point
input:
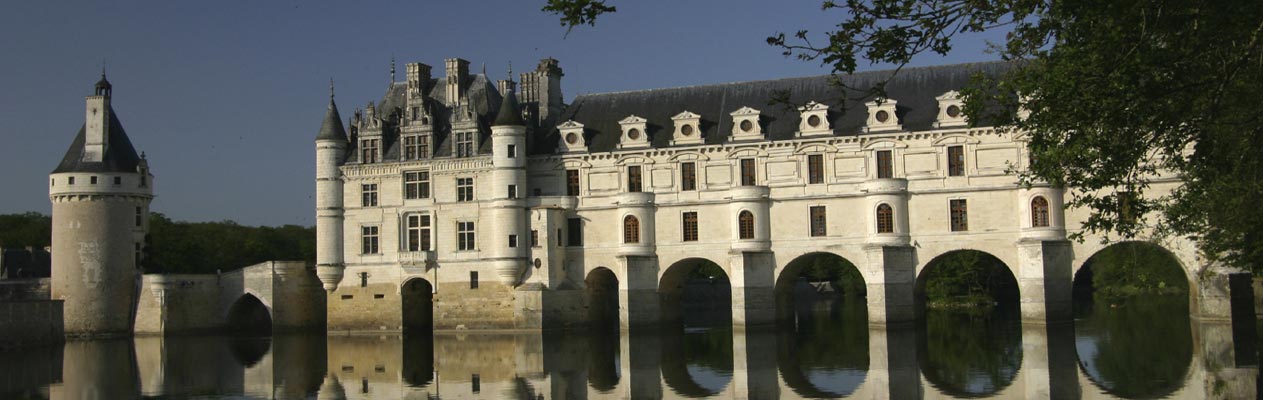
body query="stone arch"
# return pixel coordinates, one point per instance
(1007, 276)
(249, 316)
(710, 296)
(685, 354)
(416, 298)
(601, 295)
(787, 279)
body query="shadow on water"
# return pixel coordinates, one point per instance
(967, 354)
(1140, 349)
(826, 354)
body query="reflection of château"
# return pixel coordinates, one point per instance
(458, 202)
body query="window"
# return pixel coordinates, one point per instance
(512, 193)
(689, 222)
(416, 147)
(474, 380)
(512, 151)
(465, 236)
(745, 225)
(418, 227)
(416, 113)
(368, 240)
(140, 216)
(464, 189)
(136, 256)
(368, 150)
(534, 238)
(817, 221)
(72, 180)
(747, 172)
(118, 180)
(368, 195)
(885, 166)
(574, 227)
(93, 180)
(144, 180)
(464, 144)
(885, 219)
(633, 178)
(956, 161)
(1039, 212)
(815, 168)
(572, 182)
(416, 185)
(512, 241)
(688, 176)
(631, 229)
(559, 242)
(473, 284)
(960, 215)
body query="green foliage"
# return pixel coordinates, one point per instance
(577, 12)
(205, 247)
(1143, 349)
(708, 270)
(1116, 94)
(1129, 269)
(26, 229)
(836, 270)
(967, 278)
(966, 356)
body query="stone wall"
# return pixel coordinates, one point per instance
(201, 303)
(190, 301)
(30, 323)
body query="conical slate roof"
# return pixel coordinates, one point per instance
(510, 114)
(332, 128)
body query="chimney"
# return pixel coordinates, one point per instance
(541, 91)
(418, 79)
(457, 77)
(96, 124)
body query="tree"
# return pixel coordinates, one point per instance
(1112, 94)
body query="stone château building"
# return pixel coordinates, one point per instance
(461, 202)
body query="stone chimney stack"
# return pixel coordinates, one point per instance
(418, 79)
(457, 80)
(97, 122)
(541, 92)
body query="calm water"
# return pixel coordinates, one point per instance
(1147, 348)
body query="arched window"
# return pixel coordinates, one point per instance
(885, 219)
(631, 230)
(1039, 212)
(745, 225)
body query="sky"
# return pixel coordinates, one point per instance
(225, 97)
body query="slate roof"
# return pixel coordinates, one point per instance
(332, 128)
(481, 94)
(509, 114)
(914, 89)
(120, 156)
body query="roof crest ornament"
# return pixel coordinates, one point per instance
(330, 87)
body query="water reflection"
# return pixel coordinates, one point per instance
(1132, 352)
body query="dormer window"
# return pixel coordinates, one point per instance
(572, 139)
(814, 120)
(950, 113)
(368, 150)
(882, 117)
(687, 128)
(745, 124)
(416, 147)
(465, 144)
(634, 133)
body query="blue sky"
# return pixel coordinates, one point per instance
(226, 96)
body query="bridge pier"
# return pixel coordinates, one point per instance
(1045, 280)
(893, 364)
(754, 373)
(891, 281)
(641, 362)
(638, 299)
(753, 281)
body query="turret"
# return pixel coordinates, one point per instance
(331, 145)
(100, 193)
(509, 241)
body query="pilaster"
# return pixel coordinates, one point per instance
(753, 282)
(1045, 280)
(638, 292)
(891, 272)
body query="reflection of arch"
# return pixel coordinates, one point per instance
(787, 283)
(603, 374)
(996, 277)
(249, 350)
(418, 359)
(684, 353)
(417, 303)
(833, 347)
(700, 285)
(601, 290)
(248, 316)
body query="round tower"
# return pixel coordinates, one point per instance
(508, 175)
(100, 194)
(331, 144)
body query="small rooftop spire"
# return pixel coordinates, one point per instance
(510, 71)
(392, 69)
(330, 88)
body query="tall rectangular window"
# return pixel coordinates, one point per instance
(368, 150)
(368, 195)
(688, 176)
(818, 221)
(815, 168)
(410, 147)
(418, 227)
(960, 215)
(368, 240)
(534, 238)
(633, 178)
(574, 230)
(464, 189)
(885, 166)
(118, 180)
(140, 216)
(464, 144)
(465, 236)
(689, 228)
(956, 161)
(512, 191)
(512, 151)
(572, 182)
(747, 172)
(137, 256)
(473, 284)
(416, 185)
(512, 241)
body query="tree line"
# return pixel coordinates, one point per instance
(185, 247)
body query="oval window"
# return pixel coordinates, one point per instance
(953, 111)
(882, 116)
(572, 138)
(813, 121)
(747, 126)
(633, 134)
(687, 130)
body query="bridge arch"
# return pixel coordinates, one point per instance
(601, 295)
(700, 284)
(824, 267)
(249, 316)
(417, 305)
(697, 363)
